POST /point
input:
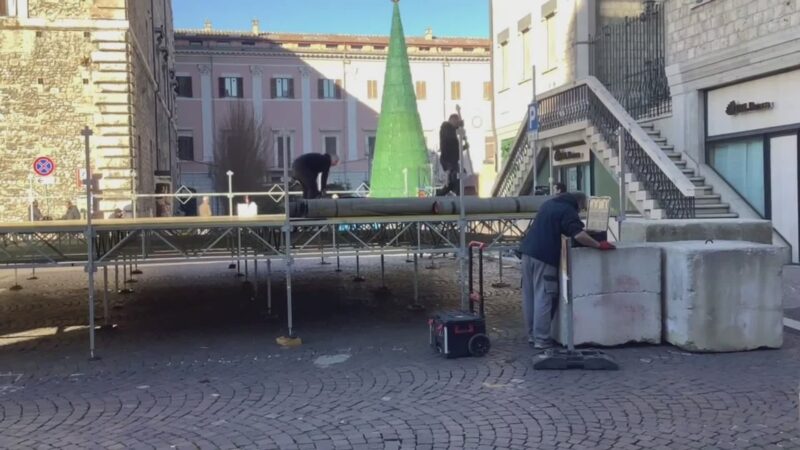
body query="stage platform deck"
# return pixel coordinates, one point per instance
(147, 239)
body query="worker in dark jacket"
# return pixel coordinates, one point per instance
(448, 146)
(541, 254)
(306, 168)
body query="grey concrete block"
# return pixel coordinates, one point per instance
(616, 296)
(723, 296)
(750, 230)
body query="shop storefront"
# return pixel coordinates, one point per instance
(579, 170)
(752, 139)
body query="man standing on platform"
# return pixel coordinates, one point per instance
(306, 168)
(541, 254)
(448, 147)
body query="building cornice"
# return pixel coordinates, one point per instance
(367, 56)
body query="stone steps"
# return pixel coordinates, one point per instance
(707, 204)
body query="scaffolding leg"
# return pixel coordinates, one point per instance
(383, 287)
(432, 265)
(415, 306)
(125, 281)
(336, 247)
(239, 254)
(322, 261)
(136, 270)
(269, 288)
(106, 310)
(130, 270)
(16, 286)
(246, 265)
(116, 275)
(358, 278)
(255, 277)
(500, 283)
(33, 274)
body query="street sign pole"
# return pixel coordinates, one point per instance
(86, 133)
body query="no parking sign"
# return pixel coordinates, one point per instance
(44, 166)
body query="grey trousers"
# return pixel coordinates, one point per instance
(539, 297)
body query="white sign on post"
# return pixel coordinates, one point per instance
(46, 181)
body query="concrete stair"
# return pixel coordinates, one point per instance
(707, 204)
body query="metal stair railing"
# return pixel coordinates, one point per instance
(517, 167)
(588, 100)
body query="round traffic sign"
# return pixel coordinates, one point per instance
(44, 166)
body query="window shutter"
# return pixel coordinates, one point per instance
(222, 88)
(272, 89)
(291, 88)
(240, 87)
(338, 89)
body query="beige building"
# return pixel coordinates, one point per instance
(67, 64)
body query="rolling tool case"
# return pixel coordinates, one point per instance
(455, 334)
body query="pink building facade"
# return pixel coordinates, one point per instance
(320, 93)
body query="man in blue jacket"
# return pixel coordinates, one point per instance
(541, 254)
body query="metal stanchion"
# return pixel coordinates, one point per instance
(358, 278)
(130, 280)
(269, 289)
(239, 253)
(136, 270)
(383, 287)
(336, 249)
(415, 306)
(322, 261)
(125, 288)
(116, 275)
(33, 274)
(16, 286)
(500, 284)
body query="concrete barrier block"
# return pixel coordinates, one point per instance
(723, 296)
(616, 296)
(643, 230)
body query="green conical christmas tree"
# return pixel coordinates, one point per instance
(400, 165)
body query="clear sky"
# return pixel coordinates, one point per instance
(466, 18)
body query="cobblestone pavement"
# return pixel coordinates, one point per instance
(193, 364)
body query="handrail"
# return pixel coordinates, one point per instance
(641, 137)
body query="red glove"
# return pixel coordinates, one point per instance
(605, 245)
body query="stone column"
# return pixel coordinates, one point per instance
(305, 76)
(258, 93)
(207, 97)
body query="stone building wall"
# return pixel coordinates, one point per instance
(82, 66)
(45, 101)
(696, 31)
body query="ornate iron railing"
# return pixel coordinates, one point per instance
(655, 180)
(630, 56)
(591, 102)
(517, 168)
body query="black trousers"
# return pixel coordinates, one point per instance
(451, 167)
(308, 180)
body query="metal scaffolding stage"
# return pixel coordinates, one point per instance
(140, 241)
(129, 243)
